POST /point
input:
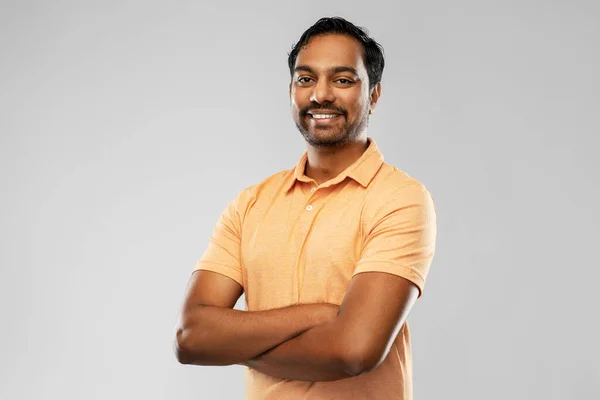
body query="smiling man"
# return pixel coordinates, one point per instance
(331, 254)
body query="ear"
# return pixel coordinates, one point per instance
(375, 93)
(290, 93)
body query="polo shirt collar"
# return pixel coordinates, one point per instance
(363, 170)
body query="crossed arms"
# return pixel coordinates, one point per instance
(313, 342)
(309, 342)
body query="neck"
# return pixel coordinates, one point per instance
(326, 163)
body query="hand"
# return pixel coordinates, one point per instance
(328, 312)
(318, 314)
(321, 313)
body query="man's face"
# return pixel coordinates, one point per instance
(329, 92)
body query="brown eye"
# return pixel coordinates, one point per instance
(304, 79)
(344, 81)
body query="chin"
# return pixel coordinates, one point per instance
(326, 139)
(326, 134)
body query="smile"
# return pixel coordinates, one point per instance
(325, 116)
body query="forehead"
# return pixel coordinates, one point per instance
(325, 51)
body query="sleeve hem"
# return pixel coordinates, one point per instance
(390, 268)
(220, 269)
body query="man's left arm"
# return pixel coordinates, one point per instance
(355, 342)
(387, 280)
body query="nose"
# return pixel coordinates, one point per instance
(322, 92)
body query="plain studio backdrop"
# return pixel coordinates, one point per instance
(126, 128)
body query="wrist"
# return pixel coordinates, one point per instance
(326, 312)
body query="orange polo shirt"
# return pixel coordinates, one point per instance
(288, 240)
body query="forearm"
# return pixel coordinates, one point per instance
(315, 355)
(211, 335)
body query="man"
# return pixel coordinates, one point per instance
(331, 254)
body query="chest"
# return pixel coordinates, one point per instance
(301, 248)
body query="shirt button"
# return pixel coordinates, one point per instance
(313, 190)
(308, 207)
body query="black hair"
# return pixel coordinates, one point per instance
(373, 52)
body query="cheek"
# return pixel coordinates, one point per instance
(353, 99)
(295, 103)
(295, 110)
(356, 106)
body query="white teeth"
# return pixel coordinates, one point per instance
(321, 116)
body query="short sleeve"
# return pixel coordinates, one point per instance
(223, 252)
(401, 236)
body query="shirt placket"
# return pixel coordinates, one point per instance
(305, 222)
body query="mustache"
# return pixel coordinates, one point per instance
(325, 106)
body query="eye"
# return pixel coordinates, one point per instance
(344, 81)
(304, 79)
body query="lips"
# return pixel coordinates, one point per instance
(324, 116)
(323, 112)
(324, 120)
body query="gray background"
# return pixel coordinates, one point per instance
(126, 127)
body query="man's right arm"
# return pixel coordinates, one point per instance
(211, 332)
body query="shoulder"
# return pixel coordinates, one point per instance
(265, 188)
(268, 185)
(393, 189)
(393, 184)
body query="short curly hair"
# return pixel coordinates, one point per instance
(373, 52)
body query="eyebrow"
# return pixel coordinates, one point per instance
(332, 70)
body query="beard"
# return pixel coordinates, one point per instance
(331, 137)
